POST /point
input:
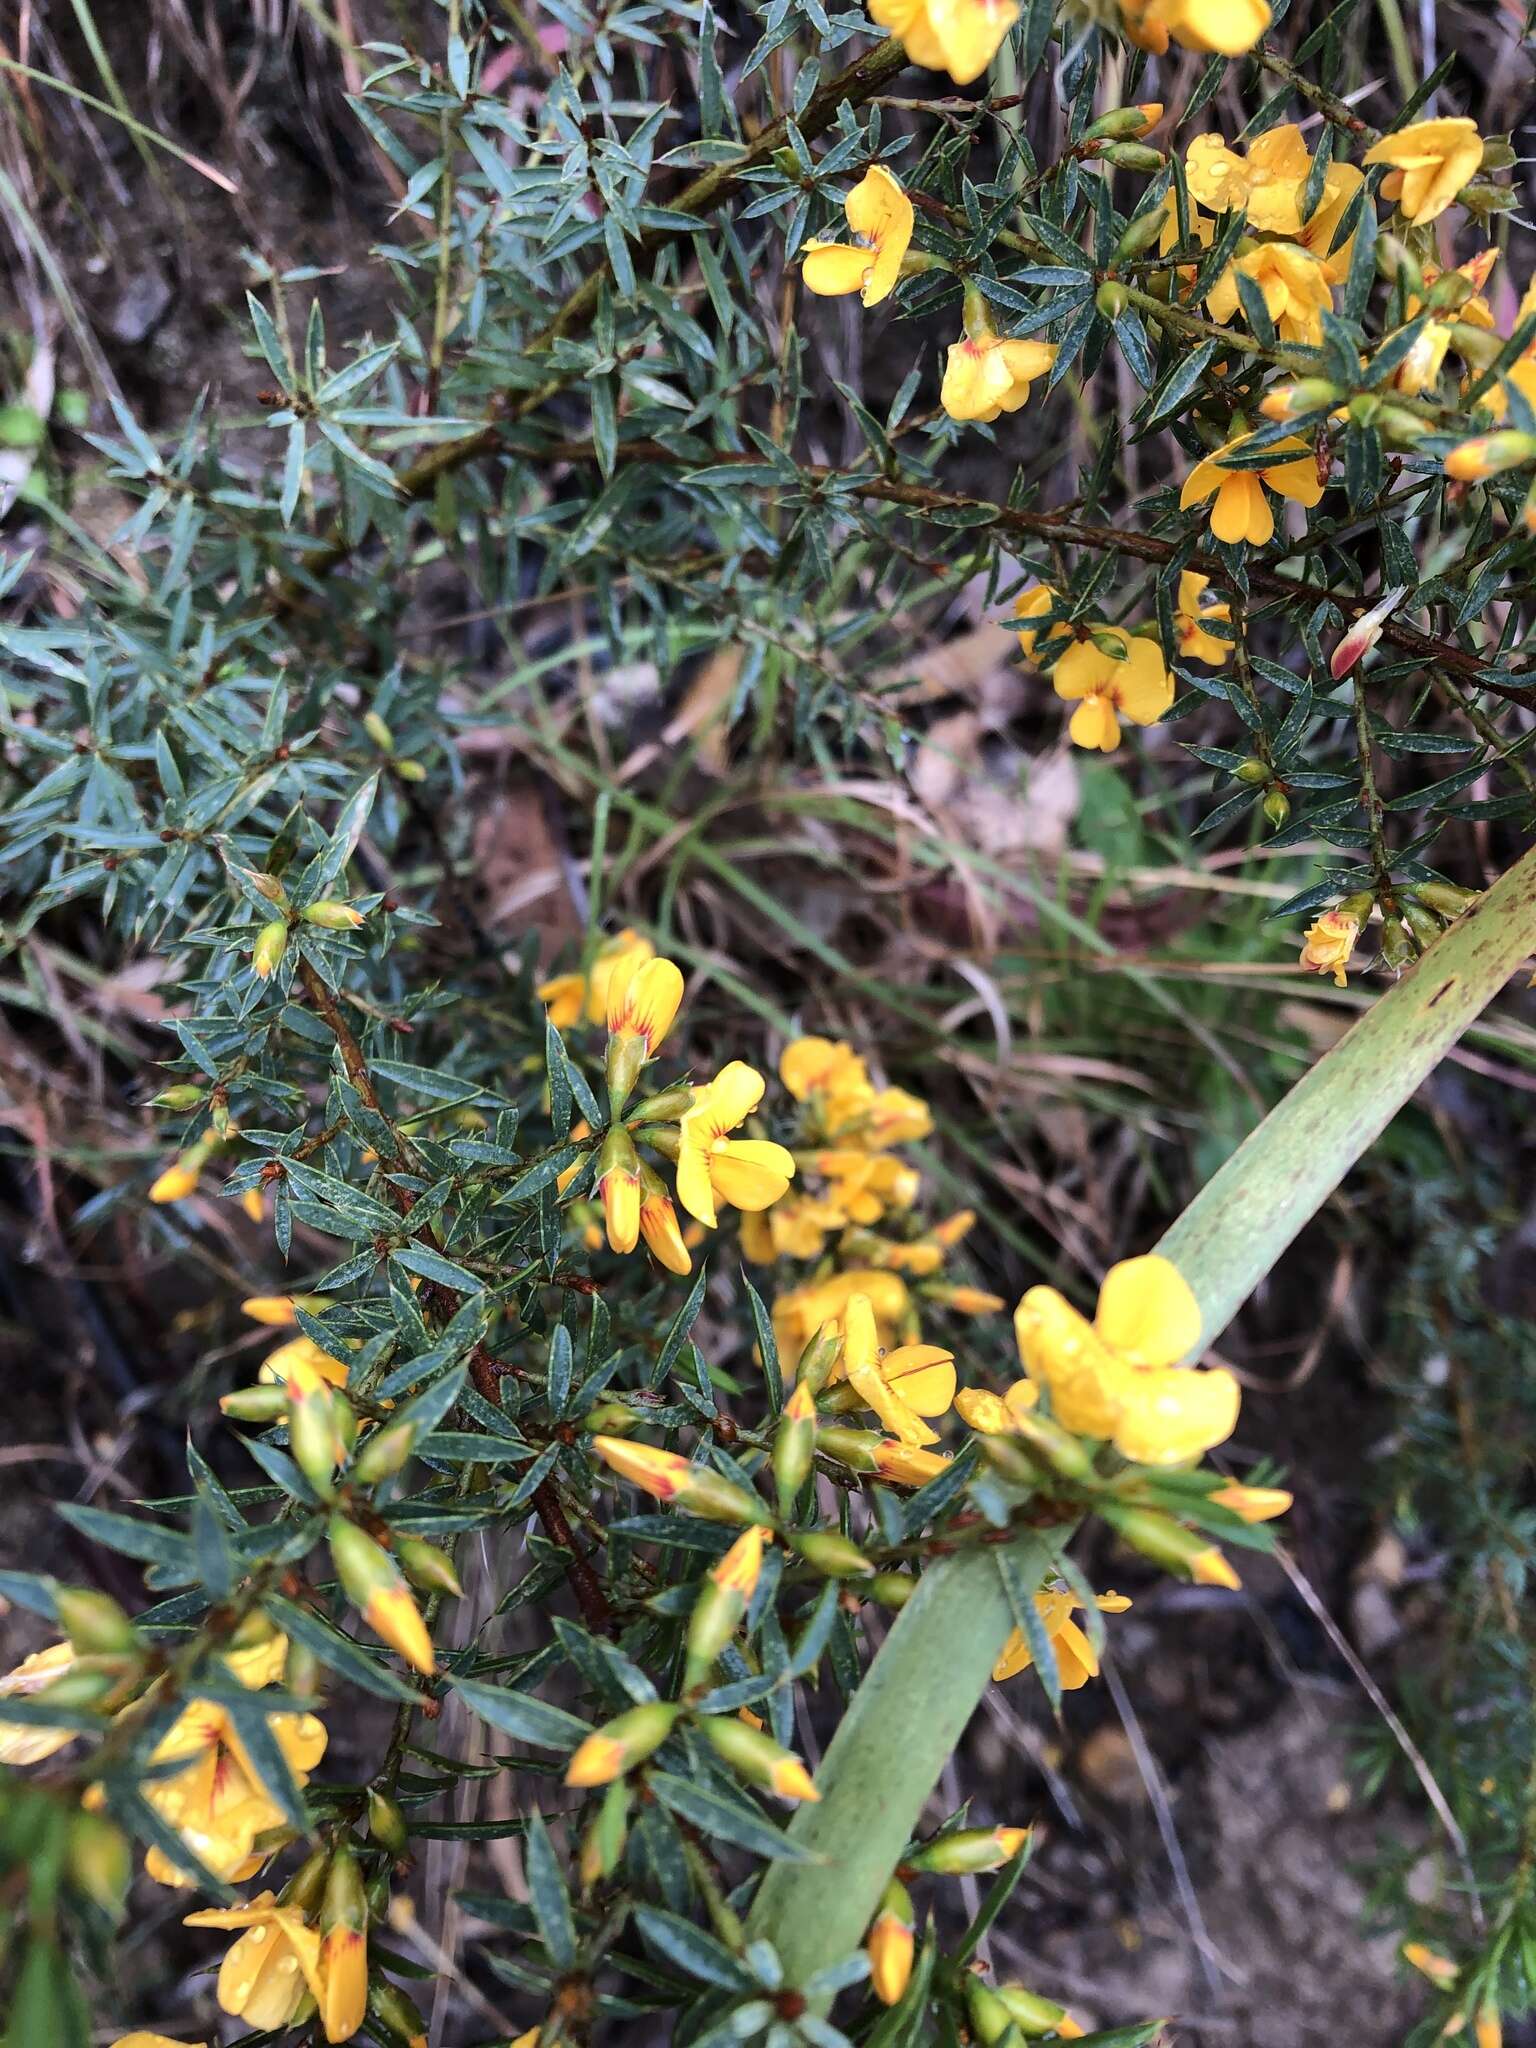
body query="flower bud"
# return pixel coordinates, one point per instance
(758, 1758)
(1133, 156)
(271, 944)
(1139, 236)
(255, 1404)
(819, 1357)
(1033, 2015)
(659, 1225)
(1295, 401)
(620, 1744)
(1276, 807)
(1184, 1552)
(907, 1465)
(610, 1418)
(1396, 946)
(1009, 1459)
(1252, 1503)
(794, 1444)
(386, 1823)
(395, 2016)
(1447, 898)
(332, 916)
(1400, 426)
(1124, 122)
(889, 1944)
(99, 1861)
(95, 1624)
(378, 732)
(664, 1108)
(618, 1187)
(1490, 455)
(723, 1601)
(603, 1843)
(1364, 407)
(1395, 259)
(831, 1554)
(1063, 1452)
(410, 771)
(385, 1452)
(1253, 771)
(855, 1448)
(429, 1569)
(971, 1849)
(183, 1095)
(372, 1582)
(1111, 299)
(666, 1476)
(180, 1178)
(1423, 923)
(343, 1948)
(990, 2018)
(317, 1426)
(892, 1589)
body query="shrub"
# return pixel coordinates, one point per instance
(496, 1199)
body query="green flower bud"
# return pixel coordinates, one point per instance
(891, 1589)
(271, 944)
(427, 1567)
(387, 1824)
(757, 1757)
(1187, 1553)
(1143, 231)
(1253, 771)
(1276, 807)
(410, 771)
(95, 1624)
(1448, 898)
(1133, 156)
(333, 916)
(394, 2015)
(385, 1452)
(664, 1108)
(255, 1404)
(832, 1554)
(378, 732)
(1111, 299)
(183, 1096)
(99, 1861)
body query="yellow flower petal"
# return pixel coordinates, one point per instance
(1147, 1312)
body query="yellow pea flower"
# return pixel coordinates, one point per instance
(896, 1118)
(1034, 603)
(1192, 615)
(994, 1414)
(712, 1167)
(1119, 1376)
(583, 998)
(1137, 687)
(1432, 161)
(958, 36)
(795, 1228)
(1328, 943)
(830, 1078)
(1340, 184)
(799, 1314)
(643, 999)
(1293, 282)
(1267, 181)
(20, 1744)
(880, 214)
(1522, 375)
(272, 1973)
(863, 1185)
(901, 1386)
(210, 1791)
(1241, 512)
(986, 374)
(302, 1355)
(1076, 1659)
(143, 2040)
(1226, 28)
